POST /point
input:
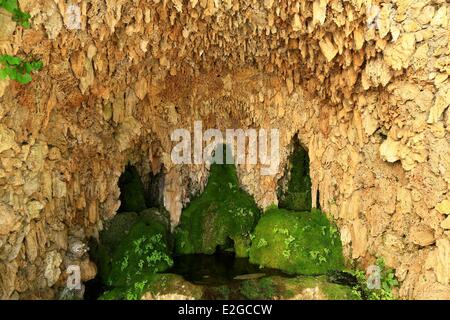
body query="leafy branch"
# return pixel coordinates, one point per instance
(19, 16)
(15, 68)
(387, 283)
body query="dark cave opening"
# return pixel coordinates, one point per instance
(136, 196)
(137, 199)
(218, 267)
(294, 188)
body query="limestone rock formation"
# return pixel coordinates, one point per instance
(364, 84)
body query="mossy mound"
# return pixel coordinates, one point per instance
(297, 288)
(222, 212)
(143, 251)
(163, 286)
(296, 195)
(174, 287)
(132, 194)
(297, 242)
(133, 245)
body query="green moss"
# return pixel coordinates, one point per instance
(296, 195)
(300, 287)
(290, 287)
(115, 231)
(297, 242)
(132, 246)
(143, 251)
(132, 194)
(155, 284)
(242, 246)
(114, 294)
(328, 290)
(174, 284)
(388, 282)
(221, 292)
(339, 292)
(266, 288)
(223, 211)
(258, 289)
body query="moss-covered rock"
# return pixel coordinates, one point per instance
(295, 288)
(132, 194)
(281, 288)
(143, 251)
(296, 193)
(174, 287)
(297, 242)
(163, 286)
(133, 245)
(222, 212)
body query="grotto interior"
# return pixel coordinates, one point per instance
(91, 93)
(222, 248)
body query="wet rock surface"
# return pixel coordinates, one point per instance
(364, 84)
(222, 216)
(297, 242)
(135, 259)
(168, 286)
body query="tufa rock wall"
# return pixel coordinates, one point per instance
(365, 85)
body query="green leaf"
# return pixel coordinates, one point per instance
(12, 73)
(37, 65)
(16, 69)
(9, 5)
(13, 61)
(3, 74)
(24, 78)
(22, 18)
(19, 16)
(26, 24)
(28, 67)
